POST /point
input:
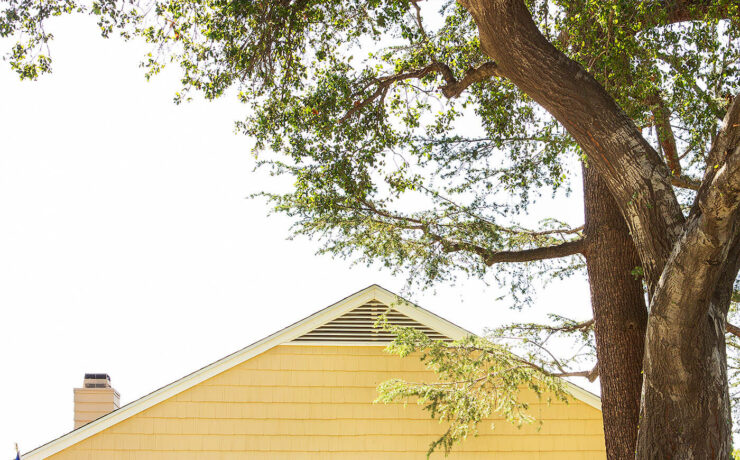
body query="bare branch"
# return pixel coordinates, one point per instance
(489, 257)
(685, 182)
(732, 329)
(667, 140)
(591, 375)
(483, 72)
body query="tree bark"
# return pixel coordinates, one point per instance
(637, 177)
(685, 404)
(620, 315)
(683, 259)
(685, 411)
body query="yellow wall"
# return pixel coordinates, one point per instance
(315, 402)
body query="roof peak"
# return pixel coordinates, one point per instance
(289, 334)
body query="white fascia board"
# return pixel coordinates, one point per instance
(583, 395)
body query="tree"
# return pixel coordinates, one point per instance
(642, 91)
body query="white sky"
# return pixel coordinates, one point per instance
(127, 244)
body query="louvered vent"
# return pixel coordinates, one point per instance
(358, 325)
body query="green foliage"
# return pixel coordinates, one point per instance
(477, 379)
(354, 101)
(535, 342)
(348, 98)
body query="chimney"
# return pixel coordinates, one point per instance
(95, 399)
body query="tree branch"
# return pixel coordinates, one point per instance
(720, 191)
(711, 231)
(585, 325)
(727, 137)
(678, 65)
(567, 248)
(483, 72)
(667, 140)
(384, 83)
(685, 182)
(591, 375)
(732, 329)
(452, 89)
(489, 257)
(635, 173)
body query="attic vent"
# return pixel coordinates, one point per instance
(358, 325)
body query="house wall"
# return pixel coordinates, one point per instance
(315, 402)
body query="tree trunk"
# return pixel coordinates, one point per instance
(636, 176)
(620, 315)
(697, 424)
(685, 411)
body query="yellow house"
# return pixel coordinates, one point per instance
(307, 391)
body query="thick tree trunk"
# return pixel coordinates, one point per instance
(634, 172)
(697, 424)
(620, 315)
(684, 404)
(685, 411)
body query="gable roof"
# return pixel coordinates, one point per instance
(363, 303)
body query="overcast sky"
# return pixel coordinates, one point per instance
(128, 246)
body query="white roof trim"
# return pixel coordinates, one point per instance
(282, 337)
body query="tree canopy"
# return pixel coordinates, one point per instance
(406, 143)
(421, 134)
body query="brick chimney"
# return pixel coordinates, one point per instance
(95, 399)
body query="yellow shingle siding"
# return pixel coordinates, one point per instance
(315, 402)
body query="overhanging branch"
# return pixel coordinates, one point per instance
(384, 84)
(567, 248)
(489, 257)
